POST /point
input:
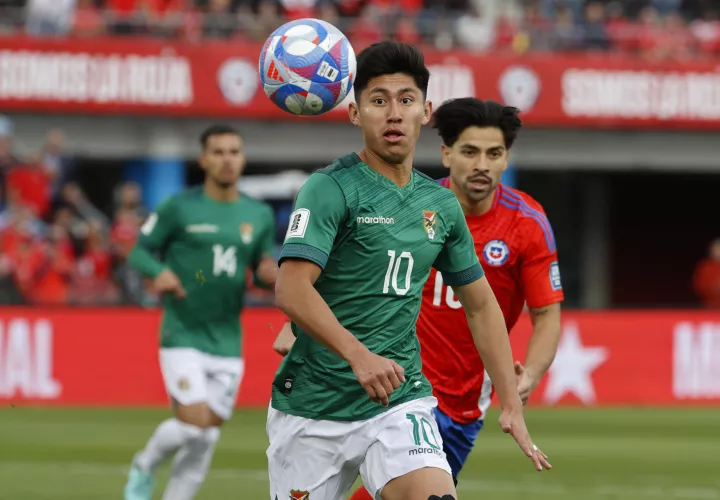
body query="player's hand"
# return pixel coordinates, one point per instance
(168, 282)
(512, 422)
(284, 341)
(267, 271)
(526, 383)
(379, 376)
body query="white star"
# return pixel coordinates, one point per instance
(571, 372)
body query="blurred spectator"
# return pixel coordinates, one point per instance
(706, 280)
(298, 9)
(7, 159)
(366, 30)
(56, 164)
(666, 6)
(706, 31)
(45, 268)
(33, 183)
(267, 20)
(125, 229)
(677, 41)
(93, 283)
(218, 21)
(595, 36)
(566, 33)
(84, 212)
(128, 196)
(125, 16)
(49, 17)
(88, 20)
(475, 31)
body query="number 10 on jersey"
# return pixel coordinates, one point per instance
(393, 273)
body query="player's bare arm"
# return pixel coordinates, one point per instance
(296, 297)
(489, 333)
(541, 349)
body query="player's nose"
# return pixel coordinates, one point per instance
(393, 113)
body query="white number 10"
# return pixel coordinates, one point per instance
(394, 269)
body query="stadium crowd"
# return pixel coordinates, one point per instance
(56, 246)
(675, 29)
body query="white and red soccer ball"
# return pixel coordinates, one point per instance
(307, 67)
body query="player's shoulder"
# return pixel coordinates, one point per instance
(528, 215)
(519, 199)
(341, 167)
(184, 197)
(255, 203)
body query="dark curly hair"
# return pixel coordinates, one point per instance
(455, 115)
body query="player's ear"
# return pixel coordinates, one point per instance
(427, 113)
(354, 113)
(445, 155)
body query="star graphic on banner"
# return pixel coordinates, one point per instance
(571, 372)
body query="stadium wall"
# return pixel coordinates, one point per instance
(108, 358)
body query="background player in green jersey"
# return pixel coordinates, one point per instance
(208, 237)
(350, 396)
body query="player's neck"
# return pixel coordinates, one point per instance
(400, 174)
(469, 206)
(221, 193)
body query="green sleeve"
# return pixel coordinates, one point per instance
(154, 235)
(457, 260)
(265, 247)
(320, 210)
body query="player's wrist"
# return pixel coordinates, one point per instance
(512, 404)
(354, 351)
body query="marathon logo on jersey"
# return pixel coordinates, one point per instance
(375, 220)
(299, 495)
(555, 281)
(430, 222)
(298, 223)
(246, 232)
(496, 252)
(202, 228)
(424, 451)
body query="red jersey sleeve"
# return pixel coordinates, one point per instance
(539, 271)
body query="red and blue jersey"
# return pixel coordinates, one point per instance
(516, 247)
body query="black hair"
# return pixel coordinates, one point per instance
(454, 116)
(387, 58)
(214, 130)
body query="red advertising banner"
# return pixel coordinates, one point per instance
(220, 79)
(109, 357)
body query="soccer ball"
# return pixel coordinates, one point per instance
(307, 67)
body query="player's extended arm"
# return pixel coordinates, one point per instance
(154, 235)
(296, 296)
(490, 335)
(143, 254)
(488, 329)
(541, 348)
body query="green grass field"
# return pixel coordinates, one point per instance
(628, 454)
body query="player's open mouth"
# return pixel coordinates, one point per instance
(393, 135)
(479, 183)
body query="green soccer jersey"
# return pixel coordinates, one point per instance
(376, 243)
(209, 245)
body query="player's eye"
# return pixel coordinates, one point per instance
(406, 100)
(469, 153)
(379, 101)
